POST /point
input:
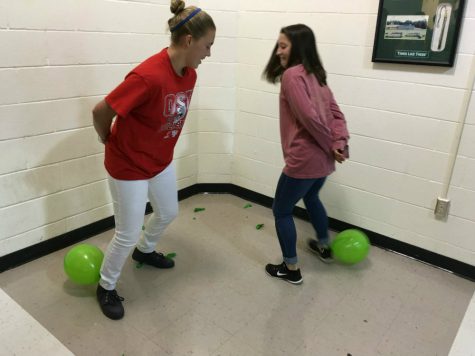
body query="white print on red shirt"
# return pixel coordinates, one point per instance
(176, 107)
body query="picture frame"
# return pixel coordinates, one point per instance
(418, 31)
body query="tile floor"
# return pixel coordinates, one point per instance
(464, 343)
(219, 301)
(21, 334)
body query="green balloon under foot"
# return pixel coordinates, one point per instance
(350, 246)
(82, 264)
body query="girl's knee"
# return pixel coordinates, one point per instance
(171, 215)
(168, 215)
(281, 211)
(126, 239)
(280, 214)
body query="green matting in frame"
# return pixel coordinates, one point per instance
(418, 31)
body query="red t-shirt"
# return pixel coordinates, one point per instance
(151, 106)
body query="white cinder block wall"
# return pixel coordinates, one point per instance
(217, 95)
(402, 120)
(60, 57)
(63, 56)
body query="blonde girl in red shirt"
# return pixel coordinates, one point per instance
(150, 107)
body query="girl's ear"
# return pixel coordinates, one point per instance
(188, 39)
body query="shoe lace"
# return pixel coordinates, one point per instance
(283, 268)
(112, 297)
(158, 256)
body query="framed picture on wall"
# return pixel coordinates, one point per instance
(418, 31)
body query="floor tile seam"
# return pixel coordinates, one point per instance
(43, 308)
(212, 323)
(329, 311)
(216, 352)
(147, 337)
(213, 352)
(192, 312)
(230, 332)
(249, 324)
(388, 329)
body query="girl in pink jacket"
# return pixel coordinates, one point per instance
(313, 136)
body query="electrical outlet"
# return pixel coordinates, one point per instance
(442, 208)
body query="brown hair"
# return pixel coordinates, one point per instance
(303, 51)
(197, 25)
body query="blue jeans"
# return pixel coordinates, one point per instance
(289, 192)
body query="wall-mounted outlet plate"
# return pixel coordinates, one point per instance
(442, 208)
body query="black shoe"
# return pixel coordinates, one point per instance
(110, 302)
(323, 252)
(153, 259)
(281, 271)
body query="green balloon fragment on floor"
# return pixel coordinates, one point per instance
(197, 210)
(259, 226)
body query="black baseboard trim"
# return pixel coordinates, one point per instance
(46, 247)
(57, 243)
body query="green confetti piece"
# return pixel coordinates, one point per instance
(194, 218)
(259, 226)
(143, 227)
(247, 206)
(139, 265)
(199, 209)
(171, 255)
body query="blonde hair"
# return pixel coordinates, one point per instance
(184, 22)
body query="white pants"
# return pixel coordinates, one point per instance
(130, 198)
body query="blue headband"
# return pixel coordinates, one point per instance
(185, 20)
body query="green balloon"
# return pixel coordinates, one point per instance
(350, 246)
(82, 264)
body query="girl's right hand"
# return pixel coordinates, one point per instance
(339, 156)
